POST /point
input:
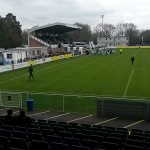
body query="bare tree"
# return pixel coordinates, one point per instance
(108, 30)
(145, 37)
(84, 35)
(132, 32)
(120, 29)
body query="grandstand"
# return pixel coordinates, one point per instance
(50, 36)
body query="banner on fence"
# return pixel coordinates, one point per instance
(33, 62)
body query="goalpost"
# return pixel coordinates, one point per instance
(10, 99)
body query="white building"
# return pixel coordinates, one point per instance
(16, 54)
(113, 41)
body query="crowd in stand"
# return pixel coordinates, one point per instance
(52, 39)
(51, 53)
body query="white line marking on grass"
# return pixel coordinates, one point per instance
(41, 70)
(106, 121)
(57, 116)
(125, 92)
(134, 124)
(79, 118)
(39, 113)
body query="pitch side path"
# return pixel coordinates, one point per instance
(84, 119)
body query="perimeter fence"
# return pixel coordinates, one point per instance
(97, 105)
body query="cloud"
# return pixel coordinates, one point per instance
(40, 12)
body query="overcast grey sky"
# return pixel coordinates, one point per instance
(40, 12)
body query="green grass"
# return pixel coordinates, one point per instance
(87, 75)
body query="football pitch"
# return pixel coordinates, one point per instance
(101, 75)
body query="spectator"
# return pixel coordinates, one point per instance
(22, 119)
(9, 118)
(12, 62)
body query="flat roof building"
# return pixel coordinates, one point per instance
(113, 41)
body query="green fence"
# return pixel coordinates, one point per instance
(101, 106)
(61, 102)
(124, 108)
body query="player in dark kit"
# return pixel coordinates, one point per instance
(30, 69)
(132, 59)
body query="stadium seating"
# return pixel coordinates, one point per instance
(18, 143)
(19, 134)
(38, 145)
(1, 147)
(35, 136)
(57, 146)
(4, 142)
(71, 141)
(53, 135)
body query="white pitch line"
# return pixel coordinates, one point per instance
(125, 92)
(79, 118)
(134, 124)
(57, 116)
(106, 121)
(39, 113)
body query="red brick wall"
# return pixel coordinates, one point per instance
(34, 43)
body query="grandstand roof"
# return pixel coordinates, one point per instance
(56, 28)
